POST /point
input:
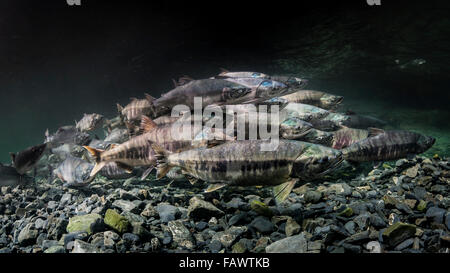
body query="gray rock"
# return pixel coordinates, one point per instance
(371, 194)
(362, 220)
(202, 210)
(55, 249)
(83, 247)
(27, 235)
(65, 199)
(292, 244)
(447, 221)
(350, 227)
(125, 205)
(377, 221)
(215, 246)
(292, 227)
(340, 189)
(312, 197)
(229, 236)
(406, 244)
(167, 212)
(180, 234)
(40, 224)
(262, 224)
(436, 214)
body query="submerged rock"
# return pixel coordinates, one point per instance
(116, 221)
(202, 210)
(89, 223)
(398, 232)
(293, 244)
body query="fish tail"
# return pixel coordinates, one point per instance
(96, 153)
(162, 164)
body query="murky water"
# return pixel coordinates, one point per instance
(52, 74)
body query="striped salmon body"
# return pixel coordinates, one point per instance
(389, 145)
(347, 136)
(305, 96)
(240, 162)
(135, 152)
(136, 108)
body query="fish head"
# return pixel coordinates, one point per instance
(268, 89)
(319, 137)
(298, 83)
(330, 101)
(316, 161)
(294, 128)
(425, 142)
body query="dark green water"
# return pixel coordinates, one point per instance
(55, 66)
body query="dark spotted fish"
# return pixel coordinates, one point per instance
(10, 177)
(213, 91)
(89, 122)
(245, 163)
(25, 160)
(362, 122)
(316, 98)
(347, 136)
(389, 145)
(66, 135)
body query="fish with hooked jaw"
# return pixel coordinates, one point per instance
(25, 160)
(387, 145)
(245, 163)
(316, 98)
(136, 108)
(89, 122)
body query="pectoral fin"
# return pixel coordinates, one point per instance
(214, 187)
(191, 179)
(282, 191)
(146, 173)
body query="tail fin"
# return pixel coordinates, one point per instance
(162, 167)
(96, 153)
(149, 98)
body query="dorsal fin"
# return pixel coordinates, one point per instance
(175, 83)
(147, 124)
(184, 80)
(119, 108)
(133, 98)
(223, 70)
(47, 133)
(13, 158)
(375, 132)
(149, 98)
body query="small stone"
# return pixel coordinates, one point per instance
(422, 205)
(292, 227)
(412, 172)
(312, 197)
(130, 237)
(202, 210)
(373, 247)
(89, 223)
(398, 232)
(261, 208)
(347, 212)
(125, 205)
(262, 224)
(239, 247)
(116, 221)
(83, 247)
(405, 244)
(436, 214)
(180, 234)
(167, 212)
(55, 249)
(340, 189)
(215, 246)
(389, 201)
(411, 203)
(292, 244)
(27, 235)
(350, 227)
(229, 236)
